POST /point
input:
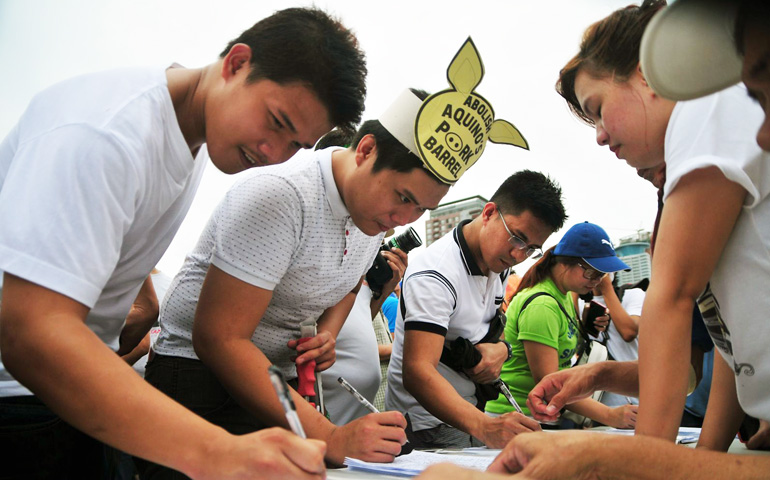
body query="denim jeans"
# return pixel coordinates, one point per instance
(37, 444)
(195, 386)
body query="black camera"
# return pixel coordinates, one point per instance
(380, 273)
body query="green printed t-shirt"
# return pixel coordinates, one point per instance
(542, 322)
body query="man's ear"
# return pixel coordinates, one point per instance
(488, 212)
(237, 59)
(366, 149)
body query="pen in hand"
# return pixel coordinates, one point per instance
(284, 396)
(361, 399)
(405, 448)
(500, 384)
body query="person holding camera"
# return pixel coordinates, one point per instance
(450, 297)
(621, 309)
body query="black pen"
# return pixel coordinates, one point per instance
(500, 384)
(284, 395)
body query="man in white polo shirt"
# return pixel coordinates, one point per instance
(289, 244)
(453, 291)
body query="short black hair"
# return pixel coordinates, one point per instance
(533, 191)
(335, 138)
(750, 12)
(309, 46)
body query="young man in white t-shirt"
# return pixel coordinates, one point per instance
(94, 181)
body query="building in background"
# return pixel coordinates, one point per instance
(635, 251)
(444, 218)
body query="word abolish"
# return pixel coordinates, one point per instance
(463, 131)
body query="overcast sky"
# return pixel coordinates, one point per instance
(523, 44)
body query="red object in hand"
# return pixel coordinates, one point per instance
(306, 376)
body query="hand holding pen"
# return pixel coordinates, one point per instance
(500, 385)
(406, 447)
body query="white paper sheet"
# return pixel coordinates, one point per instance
(417, 461)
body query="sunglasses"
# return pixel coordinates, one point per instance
(518, 243)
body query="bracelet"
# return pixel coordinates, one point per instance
(510, 349)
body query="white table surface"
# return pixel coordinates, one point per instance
(736, 447)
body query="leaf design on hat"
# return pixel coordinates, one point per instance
(503, 131)
(466, 69)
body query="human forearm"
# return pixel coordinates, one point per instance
(592, 409)
(140, 319)
(334, 317)
(724, 413)
(138, 352)
(567, 455)
(376, 303)
(616, 377)
(242, 369)
(397, 261)
(570, 385)
(663, 366)
(687, 251)
(623, 416)
(60, 366)
(627, 325)
(439, 398)
(384, 351)
(655, 459)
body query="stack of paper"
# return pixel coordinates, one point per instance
(417, 461)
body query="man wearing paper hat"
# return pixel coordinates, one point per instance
(287, 244)
(694, 48)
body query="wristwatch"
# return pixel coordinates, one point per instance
(510, 349)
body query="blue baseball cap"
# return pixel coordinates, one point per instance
(591, 243)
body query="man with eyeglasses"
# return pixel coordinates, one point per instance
(449, 307)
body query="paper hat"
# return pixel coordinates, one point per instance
(688, 50)
(591, 243)
(449, 130)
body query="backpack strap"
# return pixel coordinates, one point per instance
(570, 319)
(538, 294)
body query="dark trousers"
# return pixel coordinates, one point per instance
(441, 436)
(36, 444)
(192, 384)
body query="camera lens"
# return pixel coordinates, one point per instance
(406, 241)
(380, 272)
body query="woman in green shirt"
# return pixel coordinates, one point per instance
(542, 325)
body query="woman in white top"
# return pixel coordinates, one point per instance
(714, 229)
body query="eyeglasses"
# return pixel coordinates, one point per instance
(591, 273)
(518, 243)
